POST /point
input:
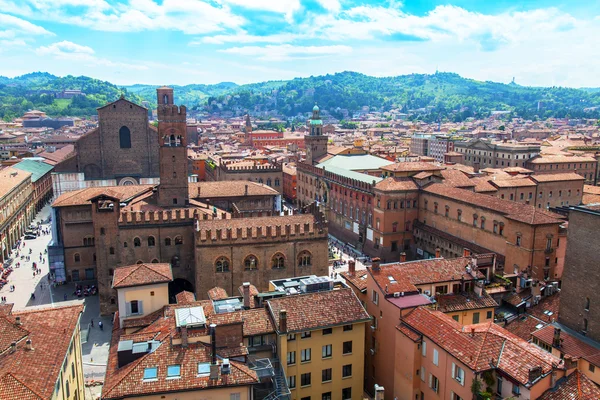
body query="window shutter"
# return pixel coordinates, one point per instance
(430, 380)
(453, 370)
(451, 395)
(462, 377)
(140, 308)
(424, 349)
(128, 308)
(435, 357)
(423, 374)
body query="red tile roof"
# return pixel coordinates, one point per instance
(217, 293)
(412, 166)
(318, 310)
(576, 386)
(511, 209)
(570, 344)
(185, 297)
(464, 301)
(142, 274)
(405, 277)
(394, 184)
(481, 345)
(32, 374)
(83, 196)
(358, 280)
(567, 176)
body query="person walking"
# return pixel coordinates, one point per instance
(100, 325)
(92, 323)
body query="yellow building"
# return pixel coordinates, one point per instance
(17, 207)
(40, 353)
(320, 342)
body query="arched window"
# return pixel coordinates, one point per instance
(222, 264)
(172, 141)
(125, 137)
(587, 304)
(585, 324)
(124, 244)
(151, 241)
(276, 181)
(250, 263)
(137, 242)
(155, 261)
(76, 257)
(167, 241)
(268, 181)
(112, 300)
(278, 261)
(165, 99)
(94, 257)
(175, 262)
(304, 258)
(178, 240)
(111, 272)
(111, 250)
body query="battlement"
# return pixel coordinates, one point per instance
(262, 229)
(178, 215)
(171, 110)
(251, 168)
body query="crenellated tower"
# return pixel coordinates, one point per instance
(172, 140)
(315, 141)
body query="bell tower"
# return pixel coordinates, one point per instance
(172, 140)
(248, 131)
(315, 142)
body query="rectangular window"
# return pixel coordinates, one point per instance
(349, 327)
(435, 357)
(235, 396)
(291, 381)
(305, 379)
(305, 335)
(516, 390)
(424, 348)
(150, 373)
(476, 317)
(291, 357)
(326, 396)
(326, 375)
(326, 351)
(305, 355)
(174, 371)
(347, 347)
(489, 314)
(375, 296)
(548, 243)
(291, 337)
(347, 393)
(434, 383)
(518, 240)
(458, 374)
(394, 246)
(347, 371)
(327, 331)
(455, 317)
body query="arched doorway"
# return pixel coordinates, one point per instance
(177, 286)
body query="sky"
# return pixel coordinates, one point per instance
(536, 42)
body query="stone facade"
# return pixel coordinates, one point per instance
(580, 298)
(487, 154)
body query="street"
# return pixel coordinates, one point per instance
(95, 343)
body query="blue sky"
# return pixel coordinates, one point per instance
(538, 42)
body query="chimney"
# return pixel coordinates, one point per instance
(375, 263)
(402, 257)
(438, 252)
(246, 191)
(18, 320)
(283, 321)
(184, 336)
(476, 167)
(246, 293)
(28, 345)
(478, 288)
(13, 347)
(556, 338)
(472, 332)
(379, 392)
(213, 344)
(352, 267)
(466, 252)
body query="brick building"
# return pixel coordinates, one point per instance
(96, 230)
(580, 297)
(585, 166)
(122, 150)
(290, 182)
(220, 169)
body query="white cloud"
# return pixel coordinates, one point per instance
(244, 37)
(286, 7)
(287, 52)
(66, 50)
(330, 5)
(188, 16)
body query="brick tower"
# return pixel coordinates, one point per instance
(248, 131)
(172, 141)
(315, 142)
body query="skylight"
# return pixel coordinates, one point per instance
(539, 326)
(203, 369)
(150, 373)
(174, 371)
(391, 278)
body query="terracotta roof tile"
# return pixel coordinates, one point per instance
(212, 190)
(395, 184)
(576, 386)
(217, 293)
(142, 274)
(570, 344)
(83, 196)
(511, 209)
(358, 280)
(317, 310)
(411, 166)
(568, 176)
(464, 301)
(185, 297)
(10, 178)
(31, 374)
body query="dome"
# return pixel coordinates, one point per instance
(316, 108)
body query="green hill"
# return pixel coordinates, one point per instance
(441, 96)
